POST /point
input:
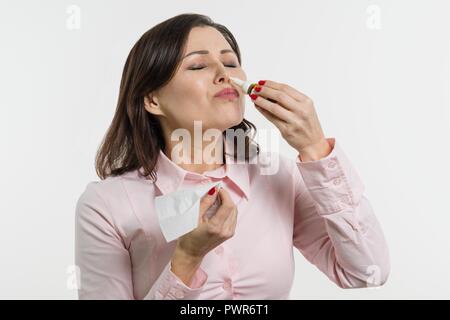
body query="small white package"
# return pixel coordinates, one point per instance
(178, 211)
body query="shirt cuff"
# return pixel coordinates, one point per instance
(172, 287)
(332, 181)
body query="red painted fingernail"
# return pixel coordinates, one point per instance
(258, 89)
(261, 82)
(212, 191)
(253, 96)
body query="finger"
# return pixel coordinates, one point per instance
(225, 209)
(274, 108)
(207, 201)
(294, 93)
(280, 124)
(281, 98)
(230, 223)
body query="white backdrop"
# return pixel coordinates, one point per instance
(378, 72)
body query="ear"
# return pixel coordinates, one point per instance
(152, 105)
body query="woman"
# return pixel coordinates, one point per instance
(171, 81)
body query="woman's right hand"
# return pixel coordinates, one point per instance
(210, 232)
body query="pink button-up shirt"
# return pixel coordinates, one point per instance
(317, 207)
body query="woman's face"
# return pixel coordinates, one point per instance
(189, 96)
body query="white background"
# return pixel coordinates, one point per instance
(378, 72)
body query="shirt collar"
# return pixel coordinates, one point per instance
(170, 176)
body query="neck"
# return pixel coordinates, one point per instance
(205, 157)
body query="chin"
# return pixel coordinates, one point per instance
(228, 118)
(230, 121)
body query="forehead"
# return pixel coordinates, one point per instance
(205, 38)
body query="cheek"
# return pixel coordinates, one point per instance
(188, 104)
(184, 96)
(193, 90)
(242, 74)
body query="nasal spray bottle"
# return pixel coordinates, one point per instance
(247, 86)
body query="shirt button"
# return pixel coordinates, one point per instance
(219, 250)
(337, 181)
(332, 164)
(227, 285)
(179, 294)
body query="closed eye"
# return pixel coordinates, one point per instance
(201, 67)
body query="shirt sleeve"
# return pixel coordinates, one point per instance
(334, 225)
(104, 263)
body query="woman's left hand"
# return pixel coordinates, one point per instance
(294, 115)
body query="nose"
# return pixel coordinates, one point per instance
(227, 78)
(223, 75)
(223, 78)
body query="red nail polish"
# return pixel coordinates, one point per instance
(212, 191)
(261, 82)
(253, 96)
(258, 89)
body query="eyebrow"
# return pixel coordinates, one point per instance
(206, 52)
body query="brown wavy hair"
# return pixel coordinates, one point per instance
(135, 136)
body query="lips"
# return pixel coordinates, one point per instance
(227, 92)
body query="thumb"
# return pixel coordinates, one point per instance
(208, 200)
